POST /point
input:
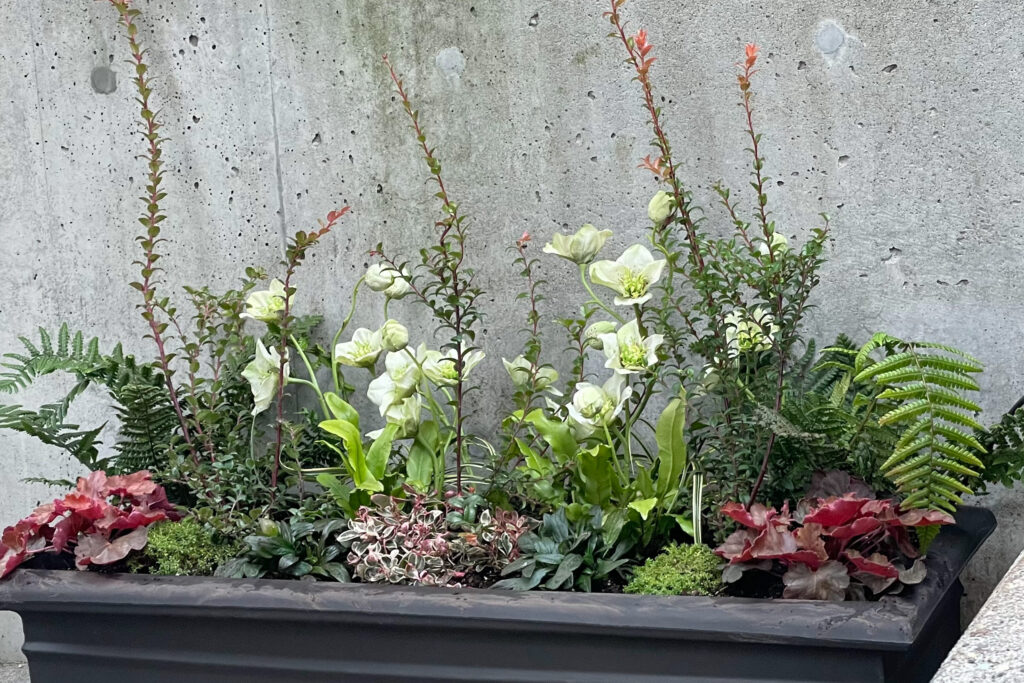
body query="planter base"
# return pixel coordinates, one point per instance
(88, 627)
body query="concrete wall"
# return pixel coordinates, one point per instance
(901, 120)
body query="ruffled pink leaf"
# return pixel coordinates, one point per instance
(94, 485)
(836, 511)
(925, 517)
(135, 484)
(9, 561)
(737, 546)
(857, 527)
(809, 538)
(96, 549)
(739, 513)
(876, 563)
(82, 505)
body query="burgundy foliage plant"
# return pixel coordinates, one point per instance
(102, 520)
(829, 548)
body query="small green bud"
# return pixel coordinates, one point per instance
(394, 335)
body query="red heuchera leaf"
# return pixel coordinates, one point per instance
(880, 508)
(925, 517)
(736, 545)
(739, 513)
(758, 516)
(94, 485)
(136, 484)
(67, 531)
(97, 549)
(836, 511)
(773, 543)
(809, 538)
(876, 563)
(868, 539)
(858, 527)
(91, 519)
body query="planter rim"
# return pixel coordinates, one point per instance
(891, 623)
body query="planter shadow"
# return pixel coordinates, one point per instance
(87, 627)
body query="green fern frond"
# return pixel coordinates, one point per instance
(878, 340)
(80, 444)
(923, 384)
(71, 353)
(148, 427)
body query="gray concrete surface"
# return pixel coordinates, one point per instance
(14, 673)
(901, 120)
(990, 649)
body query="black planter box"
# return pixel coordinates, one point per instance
(87, 627)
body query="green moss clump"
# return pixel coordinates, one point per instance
(184, 548)
(679, 570)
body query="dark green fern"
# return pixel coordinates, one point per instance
(922, 387)
(1004, 442)
(137, 390)
(148, 426)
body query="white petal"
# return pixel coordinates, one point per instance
(636, 258)
(607, 274)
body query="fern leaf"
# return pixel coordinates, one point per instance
(934, 456)
(905, 411)
(901, 453)
(955, 416)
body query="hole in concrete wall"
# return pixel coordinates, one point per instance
(894, 254)
(316, 140)
(193, 40)
(534, 19)
(830, 37)
(889, 69)
(801, 65)
(844, 159)
(103, 80)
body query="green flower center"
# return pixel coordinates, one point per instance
(447, 370)
(363, 349)
(634, 285)
(597, 408)
(633, 356)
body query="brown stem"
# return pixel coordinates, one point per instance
(451, 222)
(637, 60)
(152, 216)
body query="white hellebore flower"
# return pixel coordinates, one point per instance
(628, 352)
(631, 275)
(592, 335)
(593, 406)
(440, 368)
(394, 336)
(660, 207)
(362, 351)
(779, 244)
(581, 247)
(263, 376)
(399, 380)
(405, 414)
(521, 370)
(749, 330)
(267, 304)
(382, 277)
